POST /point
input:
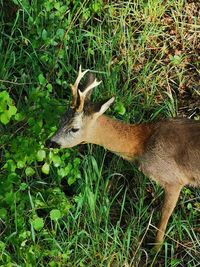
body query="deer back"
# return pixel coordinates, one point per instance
(172, 153)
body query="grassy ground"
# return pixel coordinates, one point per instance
(86, 206)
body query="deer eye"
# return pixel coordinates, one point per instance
(74, 130)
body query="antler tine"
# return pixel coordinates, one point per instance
(80, 76)
(74, 87)
(91, 86)
(85, 92)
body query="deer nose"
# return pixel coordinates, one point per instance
(51, 144)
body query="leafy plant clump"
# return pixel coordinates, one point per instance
(31, 199)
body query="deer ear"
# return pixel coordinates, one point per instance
(101, 108)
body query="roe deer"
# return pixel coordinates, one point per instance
(167, 151)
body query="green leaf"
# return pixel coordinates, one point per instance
(4, 95)
(23, 186)
(20, 164)
(29, 171)
(53, 42)
(4, 118)
(10, 165)
(176, 59)
(55, 214)
(3, 213)
(120, 109)
(76, 162)
(49, 87)
(56, 160)
(96, 7)
(38, 223)
(58, 81)
(2, 246)
(44, 34)
(41, 79)
(19, 116)
(189, 206)
(71, 180)
(61, 172)
(57, 5)
(61, 55)
(60, 33)
(45, 168)
(41, 155)
(68, 169)
(31, 121)
(13, 177)
(9, 198)
(86, 13)
(65, 171)
(12, 111)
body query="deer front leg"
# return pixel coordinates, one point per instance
(172, 193)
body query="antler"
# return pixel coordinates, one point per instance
(82, 95)
(74, 87)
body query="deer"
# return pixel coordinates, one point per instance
(167, 150)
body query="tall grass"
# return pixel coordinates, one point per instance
(146, 53)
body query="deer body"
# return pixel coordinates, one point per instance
(167, 151)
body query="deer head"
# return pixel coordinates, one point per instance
(79, 120)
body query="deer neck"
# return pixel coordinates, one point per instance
(126, 140)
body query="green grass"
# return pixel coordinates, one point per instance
(91, 208)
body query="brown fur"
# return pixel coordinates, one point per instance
(126, 140)
(168, 152)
